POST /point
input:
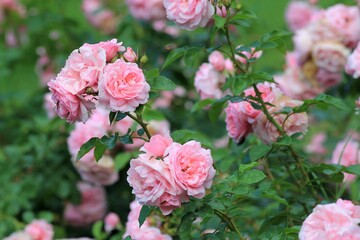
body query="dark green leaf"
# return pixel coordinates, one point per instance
(144, 213)
(109, 142)
(86, 147)
(245, 167)
(217, 107)
(183, 136)
(153, 73)
(112, 116)
(140, 132)
(161, 83)
(219, 21)
(258, 151)
(201, 104)
(120, 116)
(174, 55)
(354, 169)
(99, 150)
(273, 195)
(126, 139)
(251, 176)
(184, 229)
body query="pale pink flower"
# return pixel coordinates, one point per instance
(145, 231)
(328, 79)
(189, 14)
(123, 87)
(229, 66)
(166, 97)
(221, 11)
(153, 184)
(111, 47)
(49, 106)
(217, 60)
(91, 208)
(19, 236)
(316, 144)
(237, 124)
(149, 10)
(130, 55)
(208, 82)
(298, 14)
(353, 63)
(162, 26)
(347, 153)
(330, 56)
(40, 230)
(157, 145)
(295, 123)
(248, 55)
(191, 167)
(346, 20)
(111, 221)
(44, 69)
(334, 221)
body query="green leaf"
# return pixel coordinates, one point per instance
(239, 84)
(86, 147)
(153, 73)
(120, 116)
(183, 136)
(245, 167)
(271, 194)
(251, 176)
(194, 56)
(122, 159)
(217, 108)
(99, 150)
(267, 45)
(140, 132)
(126, 139)
(97, 230)
(258, 151)
(161, 83)
(201, 104)
(152, 114)
(219, 21)
(112, 116)
(174, 55)
(109, 142)
(354, 169)
(144, 213)
(184, 229)
(321, 99)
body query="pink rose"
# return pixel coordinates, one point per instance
(49, 106)
(157, 145)
(130, 55)
(44, 68)
(191, 167)
(69, 106)
(298, 14)
(208, 82)
(237, 124)
(330, 56)
(123, 87)
(145, 231)
(150, 10)
(91, 208)
(189, 14)
(40, 230)
(19, 236)
(353, 63)
(347, 153)
(111, 221)
(332, 221)
(217, 60)
(346, 20)
(295, 123)
(153, 184)
(316, 144)
(112, 48)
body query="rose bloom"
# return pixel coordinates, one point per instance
(346, 20)
(295, 123)
(334, 221)
(191, 167)
(328, 79)
(19, 236)
(330, 56)
(130, 55)
(112, 48)
(145, 231)
(150, 10)
(237, 124)
(353, 63)
(217, 60)
(40, 230)
(157, 145)
(208, 82)
(347, 153)
(298, 14)
(49, 106)
(153, 184)
(189, 14)
(111, 221)
(123, 87)
(316, 144)
(91, 208)
(44, 69)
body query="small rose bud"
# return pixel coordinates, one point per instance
(144, 59)
(130, 55)
(111, 221)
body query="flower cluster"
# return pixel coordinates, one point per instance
(347, 153)
(211, 76)
(332, 221)
(168, 173)
(323, 41)
(36, 230)
(189, 14)
(146, 231)
(99, 73)
(100, 16)
(242, 118)
(91, 208)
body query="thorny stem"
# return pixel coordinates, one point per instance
(139, 120)
(227, 35)
(230, 221)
